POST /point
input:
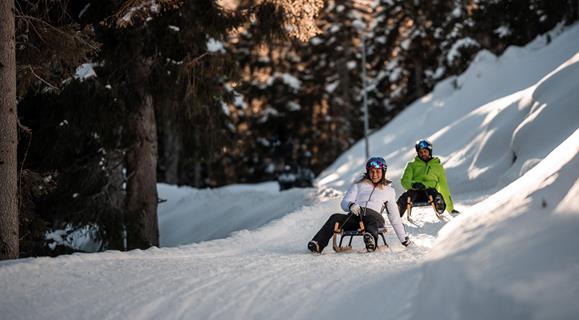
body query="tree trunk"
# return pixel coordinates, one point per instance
(170, 138)
(117, 197)
(8, 135)
(197, 179)
(573, 12)
(418, 81)
(142, 224)
(172, 153)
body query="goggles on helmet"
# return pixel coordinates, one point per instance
(423, 144)
(376, 163)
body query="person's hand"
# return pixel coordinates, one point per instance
(407, 242)
(355, 209)
(418, 186)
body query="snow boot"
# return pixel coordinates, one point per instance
(407, 242)
(314, 247)
(370, 242)
(439, 202)
(401, 207)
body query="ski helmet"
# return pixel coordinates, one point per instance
(376, 163)
(423, 144)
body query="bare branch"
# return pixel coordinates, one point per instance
(40, 78)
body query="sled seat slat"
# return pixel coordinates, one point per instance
(357, 233)
(420, 204)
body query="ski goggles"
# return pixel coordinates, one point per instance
(376, 163)
(423, 144)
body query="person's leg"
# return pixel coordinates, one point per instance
(401, 202)
(438, 199)
(372, 222)
(325, 233)
(431, 192)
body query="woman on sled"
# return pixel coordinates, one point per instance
(365, 200)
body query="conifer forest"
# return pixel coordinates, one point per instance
(102, 100)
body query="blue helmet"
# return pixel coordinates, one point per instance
(423, 144)
(376, 163)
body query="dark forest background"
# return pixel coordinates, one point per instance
(207, 93)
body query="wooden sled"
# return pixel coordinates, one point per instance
(352, 233)
(424, 201)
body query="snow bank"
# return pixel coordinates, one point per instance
(514, 256)
(192, 215)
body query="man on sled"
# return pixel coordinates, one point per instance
(424, 177)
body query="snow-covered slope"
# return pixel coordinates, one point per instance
(505, 115)
(508, 134)
(514, 255)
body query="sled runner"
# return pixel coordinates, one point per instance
(420, 198)
(352, 233)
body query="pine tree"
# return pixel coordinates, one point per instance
(332, 78)
(136, 22)
(28, 63)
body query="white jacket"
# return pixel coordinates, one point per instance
(381, 199)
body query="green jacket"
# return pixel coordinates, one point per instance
(431, 174)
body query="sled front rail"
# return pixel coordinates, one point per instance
(428, 201)
(353, 233)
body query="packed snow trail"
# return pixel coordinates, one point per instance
(240, 277)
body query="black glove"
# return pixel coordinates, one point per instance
(407, 242)
(418, 186)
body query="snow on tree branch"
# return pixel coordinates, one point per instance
(133, 11)
(454, 52)
(301, 17)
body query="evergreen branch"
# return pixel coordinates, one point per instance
(29, 19)
(189, 64)
(131, 10)
(40, 78)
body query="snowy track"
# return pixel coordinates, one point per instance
(266, 274)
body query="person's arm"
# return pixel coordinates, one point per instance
(349, 197)
(406, 180)
(394, 216)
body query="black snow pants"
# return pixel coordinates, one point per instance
(416, 195)
(372, 222)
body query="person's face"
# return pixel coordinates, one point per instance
(375, 175)
(424, 154)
